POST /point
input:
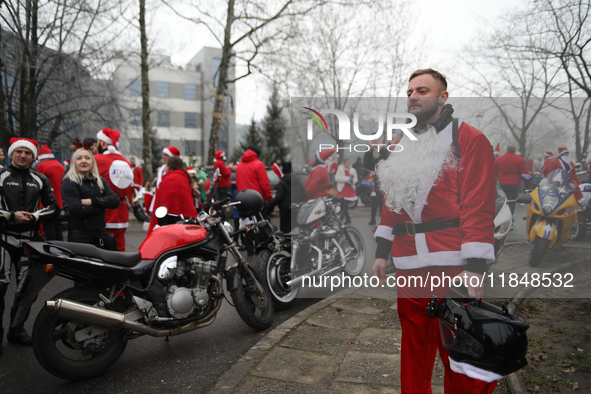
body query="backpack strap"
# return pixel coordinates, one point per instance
(454, 134)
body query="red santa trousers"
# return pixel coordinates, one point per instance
(421, 340)
(119, 234)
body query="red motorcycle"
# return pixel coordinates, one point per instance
(171, 286)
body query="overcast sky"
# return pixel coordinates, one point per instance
(449, 24)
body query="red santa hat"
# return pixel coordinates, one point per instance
(45, 153)
(548, 154)
(190, 170)
(219, 154)
(277, 170)
(16, 143)
(537, 172)
(563, 150)
(110, 136)
(325, 154)
(498, 149)
(171, 151)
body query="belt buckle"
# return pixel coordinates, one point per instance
(410, 229)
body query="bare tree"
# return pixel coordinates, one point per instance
(243, 28)
(52, 52)
(146, 126)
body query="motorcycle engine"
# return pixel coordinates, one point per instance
(189, 279)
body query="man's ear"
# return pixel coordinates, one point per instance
(443, 97)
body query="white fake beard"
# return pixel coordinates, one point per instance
(412, 172)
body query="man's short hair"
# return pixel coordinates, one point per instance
(435, 74)
(511, 148)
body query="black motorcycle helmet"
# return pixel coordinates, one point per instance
(480, 334)
(251, 203)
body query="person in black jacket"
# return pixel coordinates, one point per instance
(21, 192)
(87, 195)
(283, 199)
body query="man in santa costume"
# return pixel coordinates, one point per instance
(54, 171)
(225, 182)
(113, 167)
(167, 153)
(22, 191)
(563, 161)
(318, 180)
(437, 218)
(548, 162)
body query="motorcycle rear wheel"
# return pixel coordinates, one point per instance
(255, 309)
(276, 273)
(356, 259)
(58, 351)
(538, 251)
(579, 229)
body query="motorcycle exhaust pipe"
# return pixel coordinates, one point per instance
(116, 321)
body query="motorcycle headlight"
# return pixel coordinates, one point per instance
(549, 204)
(503, 228)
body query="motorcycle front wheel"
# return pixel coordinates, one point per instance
(354, 249)
(254, 308)
(140, 212)
(61, 354)
(538, 251)
(277, 272)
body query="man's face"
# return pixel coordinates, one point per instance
(425, 98)
(165, 158)
(94, 148)
(132, 161)
(22, 158)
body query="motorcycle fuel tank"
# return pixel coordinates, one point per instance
(170, 237)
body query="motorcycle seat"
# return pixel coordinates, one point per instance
(126, 259)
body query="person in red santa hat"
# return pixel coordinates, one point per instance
(251, 174)
(225, 182)
(118, 173)
(424, 192)
(548, 162)
(564, 162)
(318, 180)
(167, 153)
(54, 171)
(22, 191)
(176, 192)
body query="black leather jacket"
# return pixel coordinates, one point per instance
(23, 190)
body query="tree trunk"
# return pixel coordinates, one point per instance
(220, 93)
(146, 127)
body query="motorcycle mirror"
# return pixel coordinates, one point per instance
(587, 188)
(161, 212)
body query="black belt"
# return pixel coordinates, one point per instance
(410, 228)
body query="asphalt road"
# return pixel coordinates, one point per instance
(190, 362)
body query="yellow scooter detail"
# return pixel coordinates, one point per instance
(551, 214)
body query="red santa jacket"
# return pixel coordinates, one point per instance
(225, 172)
(509, 169)
(317, 182)
(117, 171)
(54, 171)
(252, 174)
(467, 194)
(176, 194)
(138, 176)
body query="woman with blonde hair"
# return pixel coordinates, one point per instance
(87, 195)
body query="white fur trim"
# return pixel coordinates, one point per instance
(447, 258)
(22, 144)
(384, 232)
(422, 250)
(473, 372)
(103, 137)
(167, 151)
(117, 225)
(46, 156)
(478, 250)
(318, 157)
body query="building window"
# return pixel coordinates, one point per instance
(135, 87)
(190, 120)
(215, 66)
(163, 118)
(163, 89)
(135, 117)
(190, 148)
(190, 92)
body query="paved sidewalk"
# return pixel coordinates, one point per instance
(348, 343)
